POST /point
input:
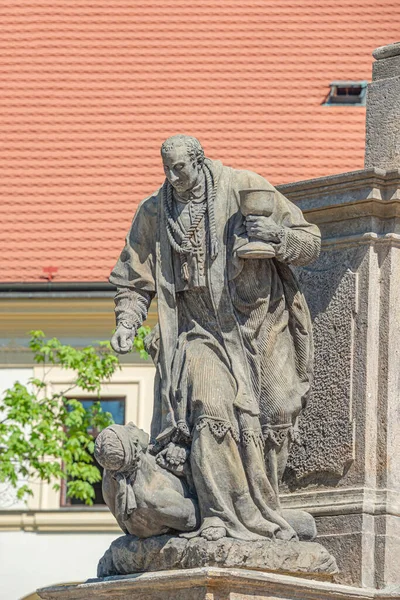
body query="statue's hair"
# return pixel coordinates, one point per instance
(109, 451)
(119, 447)
(192, 144)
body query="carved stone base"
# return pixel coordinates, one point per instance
(345, 471)
(212, 584)
(129, 554)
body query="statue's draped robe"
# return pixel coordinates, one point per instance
(234, 356)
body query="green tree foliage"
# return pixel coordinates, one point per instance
(49, 436)
(138, 342)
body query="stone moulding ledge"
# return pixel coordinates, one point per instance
(344, 501)
(318, 503)
(351, 209)
(371, 191)
(370, 202)
(370, 238)
(212, 580)
(342, 181)
(387, 51)
(58, 520)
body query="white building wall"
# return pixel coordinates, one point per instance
(9, 375)
(32, 560)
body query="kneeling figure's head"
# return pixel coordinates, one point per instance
(118, 447)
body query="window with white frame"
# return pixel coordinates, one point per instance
(116, 407)
(132, 384)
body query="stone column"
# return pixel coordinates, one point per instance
(383, 110)
(347, 469)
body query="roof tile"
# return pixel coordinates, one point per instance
(90, 90)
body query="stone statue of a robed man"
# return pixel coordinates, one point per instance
(233, 346)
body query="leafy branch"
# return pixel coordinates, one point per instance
(50, 436)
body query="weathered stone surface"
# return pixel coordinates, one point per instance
(383, 110)
(128, 555)
(358, 514)
(325, 426)
(390, 67)
(212, 583)
(383, 124)
(387, 51)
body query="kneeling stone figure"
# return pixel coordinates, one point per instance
(149, 500)
(145, 499)
(157, 509)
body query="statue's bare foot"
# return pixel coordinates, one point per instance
(286, 534)
(213, 533)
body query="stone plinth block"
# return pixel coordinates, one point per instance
(129, 554)
(383, 110)
(212, 584)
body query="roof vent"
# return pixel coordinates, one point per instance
(347, 92)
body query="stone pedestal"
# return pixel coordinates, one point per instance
(128, 554)
(346, 471)
(211, 584)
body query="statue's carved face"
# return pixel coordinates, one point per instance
(181, 171)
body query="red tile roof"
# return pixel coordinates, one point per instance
(90, 89)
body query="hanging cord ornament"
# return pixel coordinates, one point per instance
(184, 242)
(184, 247)
(211, 192)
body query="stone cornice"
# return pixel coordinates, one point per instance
(213, 582)
(86, 520)
(343, 182)
(376, 190)
(342, 501)
(359, 207)
(370, 238)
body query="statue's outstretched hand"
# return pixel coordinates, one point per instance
(122, 340)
